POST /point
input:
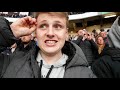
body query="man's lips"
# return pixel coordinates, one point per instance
(50, 42)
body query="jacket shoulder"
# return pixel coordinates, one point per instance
(79, 72)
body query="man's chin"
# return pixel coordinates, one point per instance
(25, 42)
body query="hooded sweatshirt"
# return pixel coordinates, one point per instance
(52, 71)
(108, 65)
(23, 64)
(114, 34)
(76, 66)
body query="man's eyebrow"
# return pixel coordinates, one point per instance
(43, 21)
(46, 21)
(57, 22)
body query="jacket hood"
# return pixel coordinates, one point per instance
(113, 52)
(75, 54)
(114, 34)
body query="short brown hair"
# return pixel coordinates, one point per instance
(62, 14)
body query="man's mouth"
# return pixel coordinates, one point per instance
(51, 42)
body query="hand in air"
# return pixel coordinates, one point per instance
(23, 26)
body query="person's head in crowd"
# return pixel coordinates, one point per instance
(85, 34)
(103, 34)
(51, 32)
(89, 37)
(80, 32)
(114, 34)
(102, 30)
(100, 40)
(101, 43)
(26, 39)
(94, 33)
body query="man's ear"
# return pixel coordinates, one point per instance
(67, 36)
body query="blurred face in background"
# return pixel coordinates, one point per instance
(51, 32)
(103, 34)
(26, 39)
(85, 34)
(100, 41)
(89, 37)
(81, 33)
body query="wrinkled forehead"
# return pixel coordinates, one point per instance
(50, 18)
(61, 14)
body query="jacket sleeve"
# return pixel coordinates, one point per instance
(94, 45)
(78, 40)
(94, 49)
(101, 68)
(6, 36)
(4, 62)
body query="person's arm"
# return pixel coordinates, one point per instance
(93, 44)
(6, 36)
(79, 39)
(10, 33)
(101, 68)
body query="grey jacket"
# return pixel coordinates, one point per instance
(114, 34)
(25, 65)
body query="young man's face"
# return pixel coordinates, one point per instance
(51, 33)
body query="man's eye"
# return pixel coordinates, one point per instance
(57, 26)
(43, 26)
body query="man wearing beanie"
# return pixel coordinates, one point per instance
(108, 65)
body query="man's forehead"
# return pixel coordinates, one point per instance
(45, 15)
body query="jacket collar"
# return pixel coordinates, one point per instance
(75, 55)
(113, 52)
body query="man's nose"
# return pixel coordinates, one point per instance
(50, 32)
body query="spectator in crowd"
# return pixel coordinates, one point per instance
(104, 35)
(26, 40)
(108, 65)
(87, 44)
(101, 45)
(54, 57)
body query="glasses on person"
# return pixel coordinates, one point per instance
(87, 34)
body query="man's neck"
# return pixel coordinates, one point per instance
(25, 45)
(51, 58)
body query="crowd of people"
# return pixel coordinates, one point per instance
(40, 47)
(14, 15)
